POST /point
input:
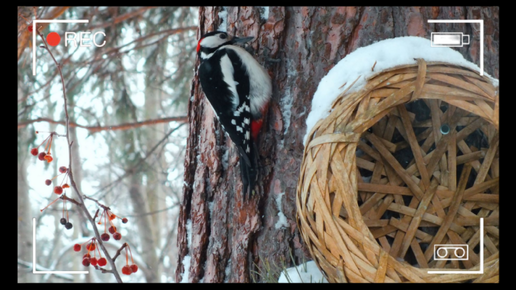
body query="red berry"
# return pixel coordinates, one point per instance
(93, 261)
(105, 237)
(102, 262)
(77, 247)
(62, 169)
(134, 268)
(124, 220)
(112, 216)
(29, 27)
(48, 182)
(34, 151)
(66, 185)
(86, 262)
(126, 270)
(112, 229)
(117, 236)
(90, 246)
(42, 155)
(58, 190)
(87, 255)
(48, 158)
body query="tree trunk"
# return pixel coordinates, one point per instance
(227, 238)
(145, 228)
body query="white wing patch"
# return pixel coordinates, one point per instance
(259, 80)
(227, 73)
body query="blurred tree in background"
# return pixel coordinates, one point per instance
(127, 105)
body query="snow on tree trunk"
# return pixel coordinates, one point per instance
(223, 238)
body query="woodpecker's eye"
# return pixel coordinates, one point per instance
(223, 36)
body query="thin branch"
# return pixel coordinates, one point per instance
(119, 251)
(98, 203)
(130, 171)
(70, 171)
(154, 212)
(123, 17)
(96, 214)
(167, 33)
(64, 197)
(103, 270)
(95, 129)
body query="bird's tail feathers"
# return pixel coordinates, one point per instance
(248, 172)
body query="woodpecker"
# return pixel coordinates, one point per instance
(239, 90)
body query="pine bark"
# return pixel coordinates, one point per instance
(227, 238)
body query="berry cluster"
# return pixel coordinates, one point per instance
(87, 259)
(64, 221)
(67, 224)
(42, 155)
(108, 217)
(92, 247)
(129, 269)
(58, 189)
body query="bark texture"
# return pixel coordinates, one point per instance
(228, 239)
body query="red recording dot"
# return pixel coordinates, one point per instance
(53, 38)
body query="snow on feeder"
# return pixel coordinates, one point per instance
(383, 184)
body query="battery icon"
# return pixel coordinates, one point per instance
(449, 39)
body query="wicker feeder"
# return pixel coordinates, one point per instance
(375, 214)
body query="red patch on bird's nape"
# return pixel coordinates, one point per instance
(256, 125)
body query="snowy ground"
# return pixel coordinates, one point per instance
(304, 273)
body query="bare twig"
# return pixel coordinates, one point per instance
(119, 251)
(124, 17)
(130, 171)
(96, 214)
(95, 129)
(103, 270)
(166, 33)
(98, 203)
(64, 197)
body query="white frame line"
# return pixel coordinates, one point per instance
(34, 271)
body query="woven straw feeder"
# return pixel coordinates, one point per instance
(366, 216)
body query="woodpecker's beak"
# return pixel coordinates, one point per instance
(242, 40)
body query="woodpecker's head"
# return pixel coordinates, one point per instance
(212, 41)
